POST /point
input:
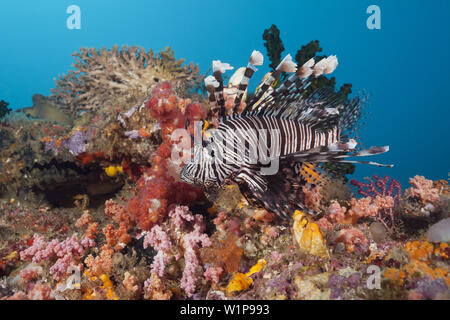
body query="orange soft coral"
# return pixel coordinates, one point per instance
(155, 289)
(129, 282)
(423, 190)
(101, 264)
(85, 221)
(117, 212)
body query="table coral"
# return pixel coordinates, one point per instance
(99, 76)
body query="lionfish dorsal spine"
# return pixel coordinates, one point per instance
(256, 59)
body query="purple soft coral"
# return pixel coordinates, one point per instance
(77, 143)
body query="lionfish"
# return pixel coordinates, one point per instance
(290, 125)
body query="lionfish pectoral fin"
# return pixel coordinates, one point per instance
(283, 194)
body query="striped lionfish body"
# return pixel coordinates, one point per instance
(269, 149)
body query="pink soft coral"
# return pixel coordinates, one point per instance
(312, 197)
(159, 240)
(67, 253)
(191, 243)
(213, 274)
(350, 238)
(336, 212)
(180, 214)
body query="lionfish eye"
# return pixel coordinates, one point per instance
(205, 125)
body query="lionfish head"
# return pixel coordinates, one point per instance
(196, 171)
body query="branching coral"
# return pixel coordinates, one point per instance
(102, 75)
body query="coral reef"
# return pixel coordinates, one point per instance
(93, 207)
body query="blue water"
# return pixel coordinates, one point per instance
(404, 67)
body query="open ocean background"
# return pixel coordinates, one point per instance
(405, 66)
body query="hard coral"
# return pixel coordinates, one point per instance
(102, 75)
